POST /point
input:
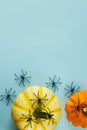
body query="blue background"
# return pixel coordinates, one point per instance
(45, 38)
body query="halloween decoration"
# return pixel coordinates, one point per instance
(36, 108)
(8, 96)
(22, 79)
(53, 83)
(76, 109)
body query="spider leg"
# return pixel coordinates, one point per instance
(77, 89)
(27, 80)
(6, 91)
(66, 93)
(71, 94)
(72, 84)
(44, 97)
(35, 95)
(54, 77)
(22, 81)
(13, 93)
(54, 88)
(7, 101)
(68, 86)
(16, 77)
(48, 83)
(28, 124)
(34, 103)
(50, 79)
(67, 89)
(28, 77)
(22, 71)
(10, 99)
(32, 99)
(57, 82)
(9, 91)
(2, 97)
(25, 73)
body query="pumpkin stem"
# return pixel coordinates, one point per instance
(84, 110)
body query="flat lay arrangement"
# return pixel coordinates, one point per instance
(43, 66)
(37, 107)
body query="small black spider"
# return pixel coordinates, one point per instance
(38, 100)
(28, 119)
(22, 79)
(77, 107)
(8, 96)
(70, 90)
(54, 83)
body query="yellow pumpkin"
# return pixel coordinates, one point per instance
(76, 109)
(36, 108)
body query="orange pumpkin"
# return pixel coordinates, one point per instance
(76, 109)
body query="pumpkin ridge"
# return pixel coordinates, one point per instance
(35, 127)
(51, 100)
(20, 107)
(41, 92)
(44, 128)
(27, 99)
(56, 110)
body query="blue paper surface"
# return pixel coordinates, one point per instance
(45, 38)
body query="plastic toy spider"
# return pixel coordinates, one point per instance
(22, 79)
(44, 115)
(8, 96)
(54, 83)
(38, 100)
(29, 119)
(77, 107)
(70, 90)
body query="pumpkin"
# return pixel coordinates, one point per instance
(76, 109)
(36, 108)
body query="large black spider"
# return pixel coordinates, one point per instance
(54, 83)
(8, 96)
(44, 114)
(28, 119)
(38, 100)
(70, 90)
(22, 79)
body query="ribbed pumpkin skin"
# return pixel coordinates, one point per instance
(77, 118)
(23, 104)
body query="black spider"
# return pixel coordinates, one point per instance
(44, 114)
(8, 96)
(28, 119)
(70, 90)
(38, 100)
(77, 107)
(22, 79)
(54, 83)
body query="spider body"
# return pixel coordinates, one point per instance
(38, 100)
(28, 119)
(45, 115)
(8, 96)
(54, 83)
(70, 90)
(77, 107)
(22, 79)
